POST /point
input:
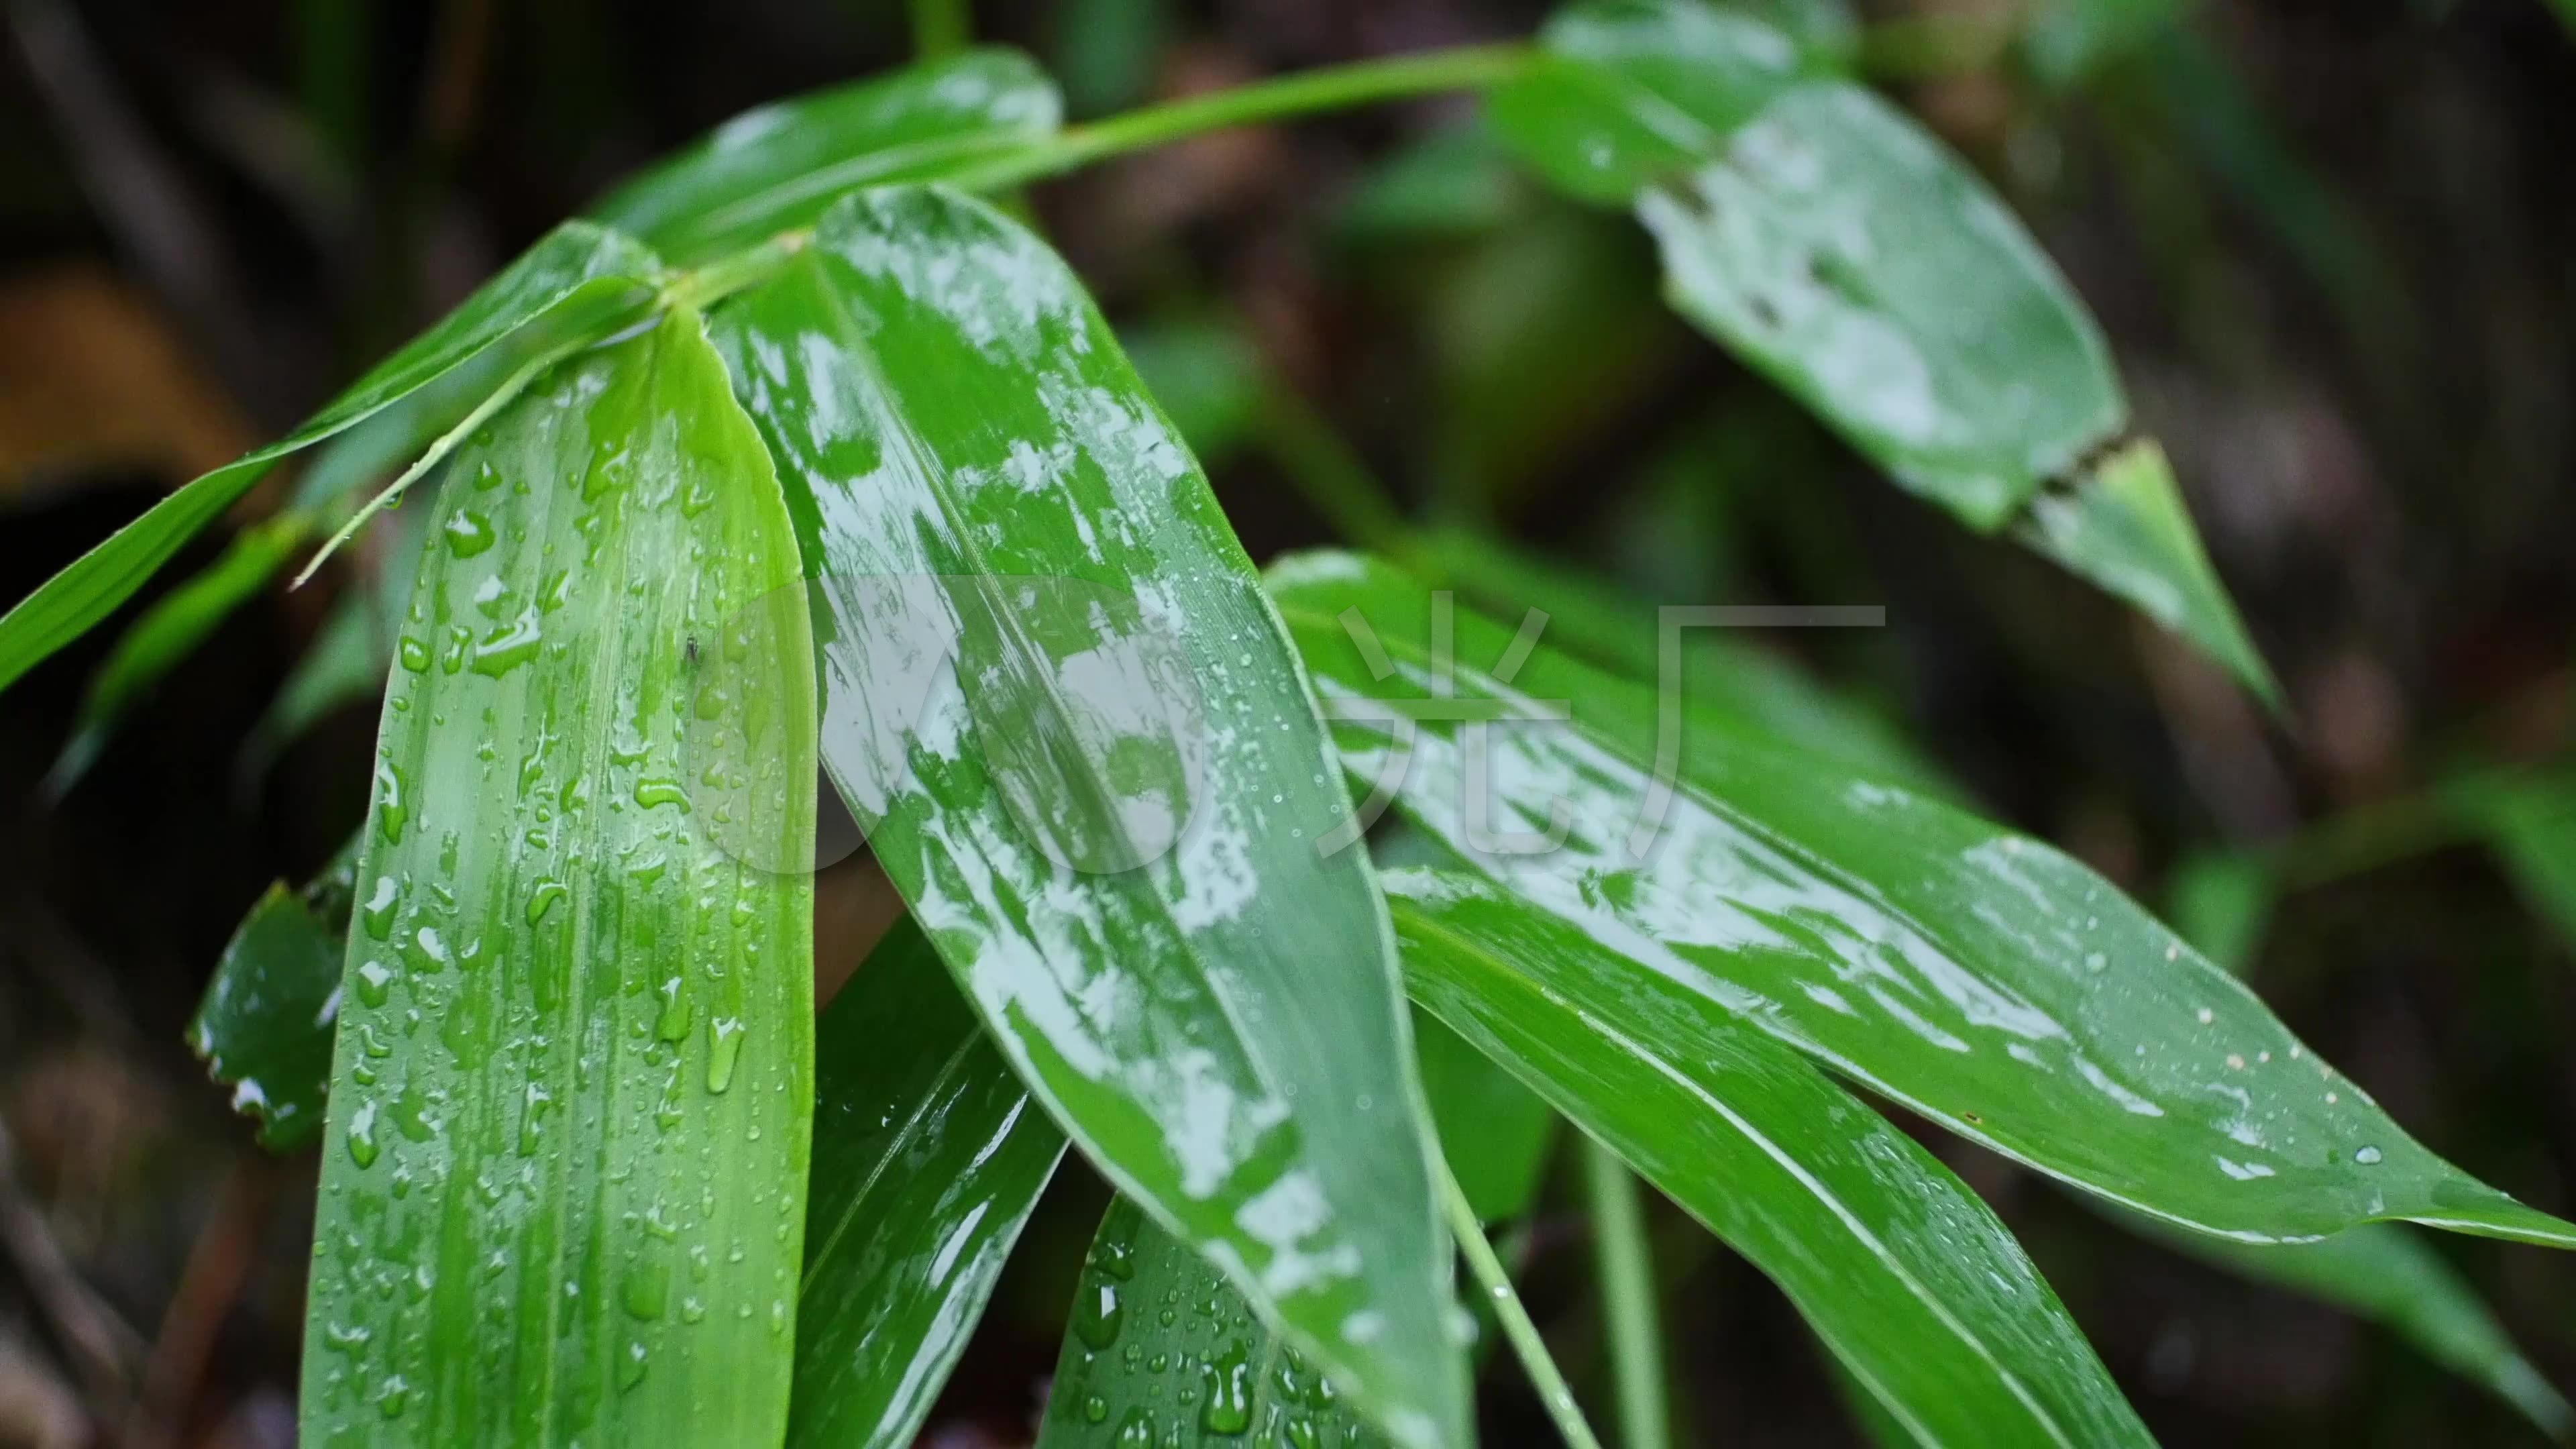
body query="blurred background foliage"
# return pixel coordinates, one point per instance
(2333, 242)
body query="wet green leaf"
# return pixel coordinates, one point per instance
(169, 632)
(1162, 1350)
(780, 166)
(1837, 247)
(1980, 978)
(1057, 699)
(2386, 1274)
(2530, 822)
(563, 1180)
(927, 1159)
(580, 282)
(264, 1028)
(1737, 682)
(1904, 1273)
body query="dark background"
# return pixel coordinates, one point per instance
(2331, 241)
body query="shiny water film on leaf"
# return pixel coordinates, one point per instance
(580, 282)
(1220, 1027)
(928, 1157)
(1162, 1350)
(1904, 1272)
(781, 165)
(563, 1182)
(1983, 979)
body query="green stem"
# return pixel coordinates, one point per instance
(1488, 1272)
(1333, 88)
(1470, 67)
(1625, 1266)
(2369, 837)
(939, 27)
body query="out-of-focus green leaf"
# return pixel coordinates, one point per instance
(1057, 699)
(1495, 1132)
(1828, 32)
(1982, 979)
(344, 664)
(2530, 822)
(2220, 902)
(1539, 338)
(264, 1028)
(1105, 51)
(927, 1160)
(2065, 41)
(579, 282)
(1742, 684)
(2120, 522)
(1898, 1266)
(2384, 1273)
(1205, 376)
(1454, 182)
(1163, 1350)
(1838, 248)
(780, 166)
(564, 1177)
(169, 632)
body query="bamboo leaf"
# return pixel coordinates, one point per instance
(1904, 1273)
(1163, 1350)
(780, 166)
(580, 282)
(564, 1172)
(169, 632)
(1835, 246)
(1737, 683)
(1057, 699)
(1982, 979)
(264, 1027)
(927, 1160)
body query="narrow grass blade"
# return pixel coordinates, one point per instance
(580, 282)
(1983, 979)
(928, 1157)
(1058, 701)
(1900, 1269)
(564, 1175)
(169, 632)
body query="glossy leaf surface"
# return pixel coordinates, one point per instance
(1163, 1350)
(563, 1180)
(579, 282)
(169, 632)
(1829, 241)
(1836, 246)
(928, 1157)
(1736, 681)
(1903, 1271)
(1980, 978)
(782, 165)
(264, 1028)
(1057, 699)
